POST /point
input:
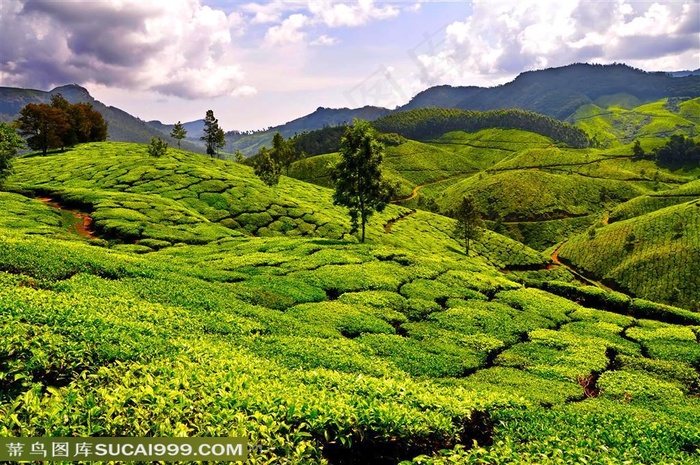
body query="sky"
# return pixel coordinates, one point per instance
(258, 64)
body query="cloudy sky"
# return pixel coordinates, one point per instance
(263, 63)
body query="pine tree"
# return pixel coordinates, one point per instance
(469, 224)
(214, 136)
(358, 177)
(179, 132)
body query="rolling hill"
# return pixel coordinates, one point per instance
(528, 186)
(122, 127)
(559, 92)
(198, 301)
(653, 255)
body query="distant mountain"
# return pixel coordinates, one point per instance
(250, 142)
(685, 73)
(559, 92)
(195, 129)
(122, 126)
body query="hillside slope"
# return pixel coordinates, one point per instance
(654, 255)
(559, 92)
(122, 127)
(316, 350)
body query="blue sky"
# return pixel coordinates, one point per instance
(259, 64)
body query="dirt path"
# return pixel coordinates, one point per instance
(413, 195)
(557, 261)
(83, 225)
(606, 218)
(389, 224)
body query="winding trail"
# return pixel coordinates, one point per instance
(413, 195)
(84, 223)
(389, 224)
(557, 261)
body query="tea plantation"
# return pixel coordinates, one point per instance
(208, 304)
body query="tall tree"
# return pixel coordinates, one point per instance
(358, 177)
(85, 123)
(469, 224)
(179, 132)
(283, 152)
(44, 126)
(266, 168)
(10, 143)
(214, 136)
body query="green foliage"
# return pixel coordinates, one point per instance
(10, 144)
(179, 132)
(358, 176)
(44, 126)
(267, 168)
(469, 224)
(651, 255)
(678, 151)
(314, 348)
(158, 147)
(214, 136)
(429, 123)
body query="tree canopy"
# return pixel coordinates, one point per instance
(266, 167)
(179, 132)
(214, 136)
(358, 178)
(469, 223)
(10, 144)
(60, 124)
(678, 151)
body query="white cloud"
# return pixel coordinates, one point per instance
(502, 38)
(244, 91)
(289, 31)
(324, 41)
(177, 48)
(338, 14)
(321, 13)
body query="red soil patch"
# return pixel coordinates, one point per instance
(84, 224)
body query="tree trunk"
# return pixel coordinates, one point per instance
(363, 228)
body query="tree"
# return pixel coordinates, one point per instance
(678, 151)
(44, 125)
(85, 123)
(214, 136)
(358, 177)
(158, 147)
(179, 132)
(637, 150)
(283, 152)
(266, 168)
(10, 144)
(469, 224)
(238, 157)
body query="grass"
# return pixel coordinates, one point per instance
(221, 315)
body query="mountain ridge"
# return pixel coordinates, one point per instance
(122, 126)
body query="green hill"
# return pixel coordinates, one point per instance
(527, 186)
(649, 123)
(560, 92)
(177, 321)
(653, 256)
